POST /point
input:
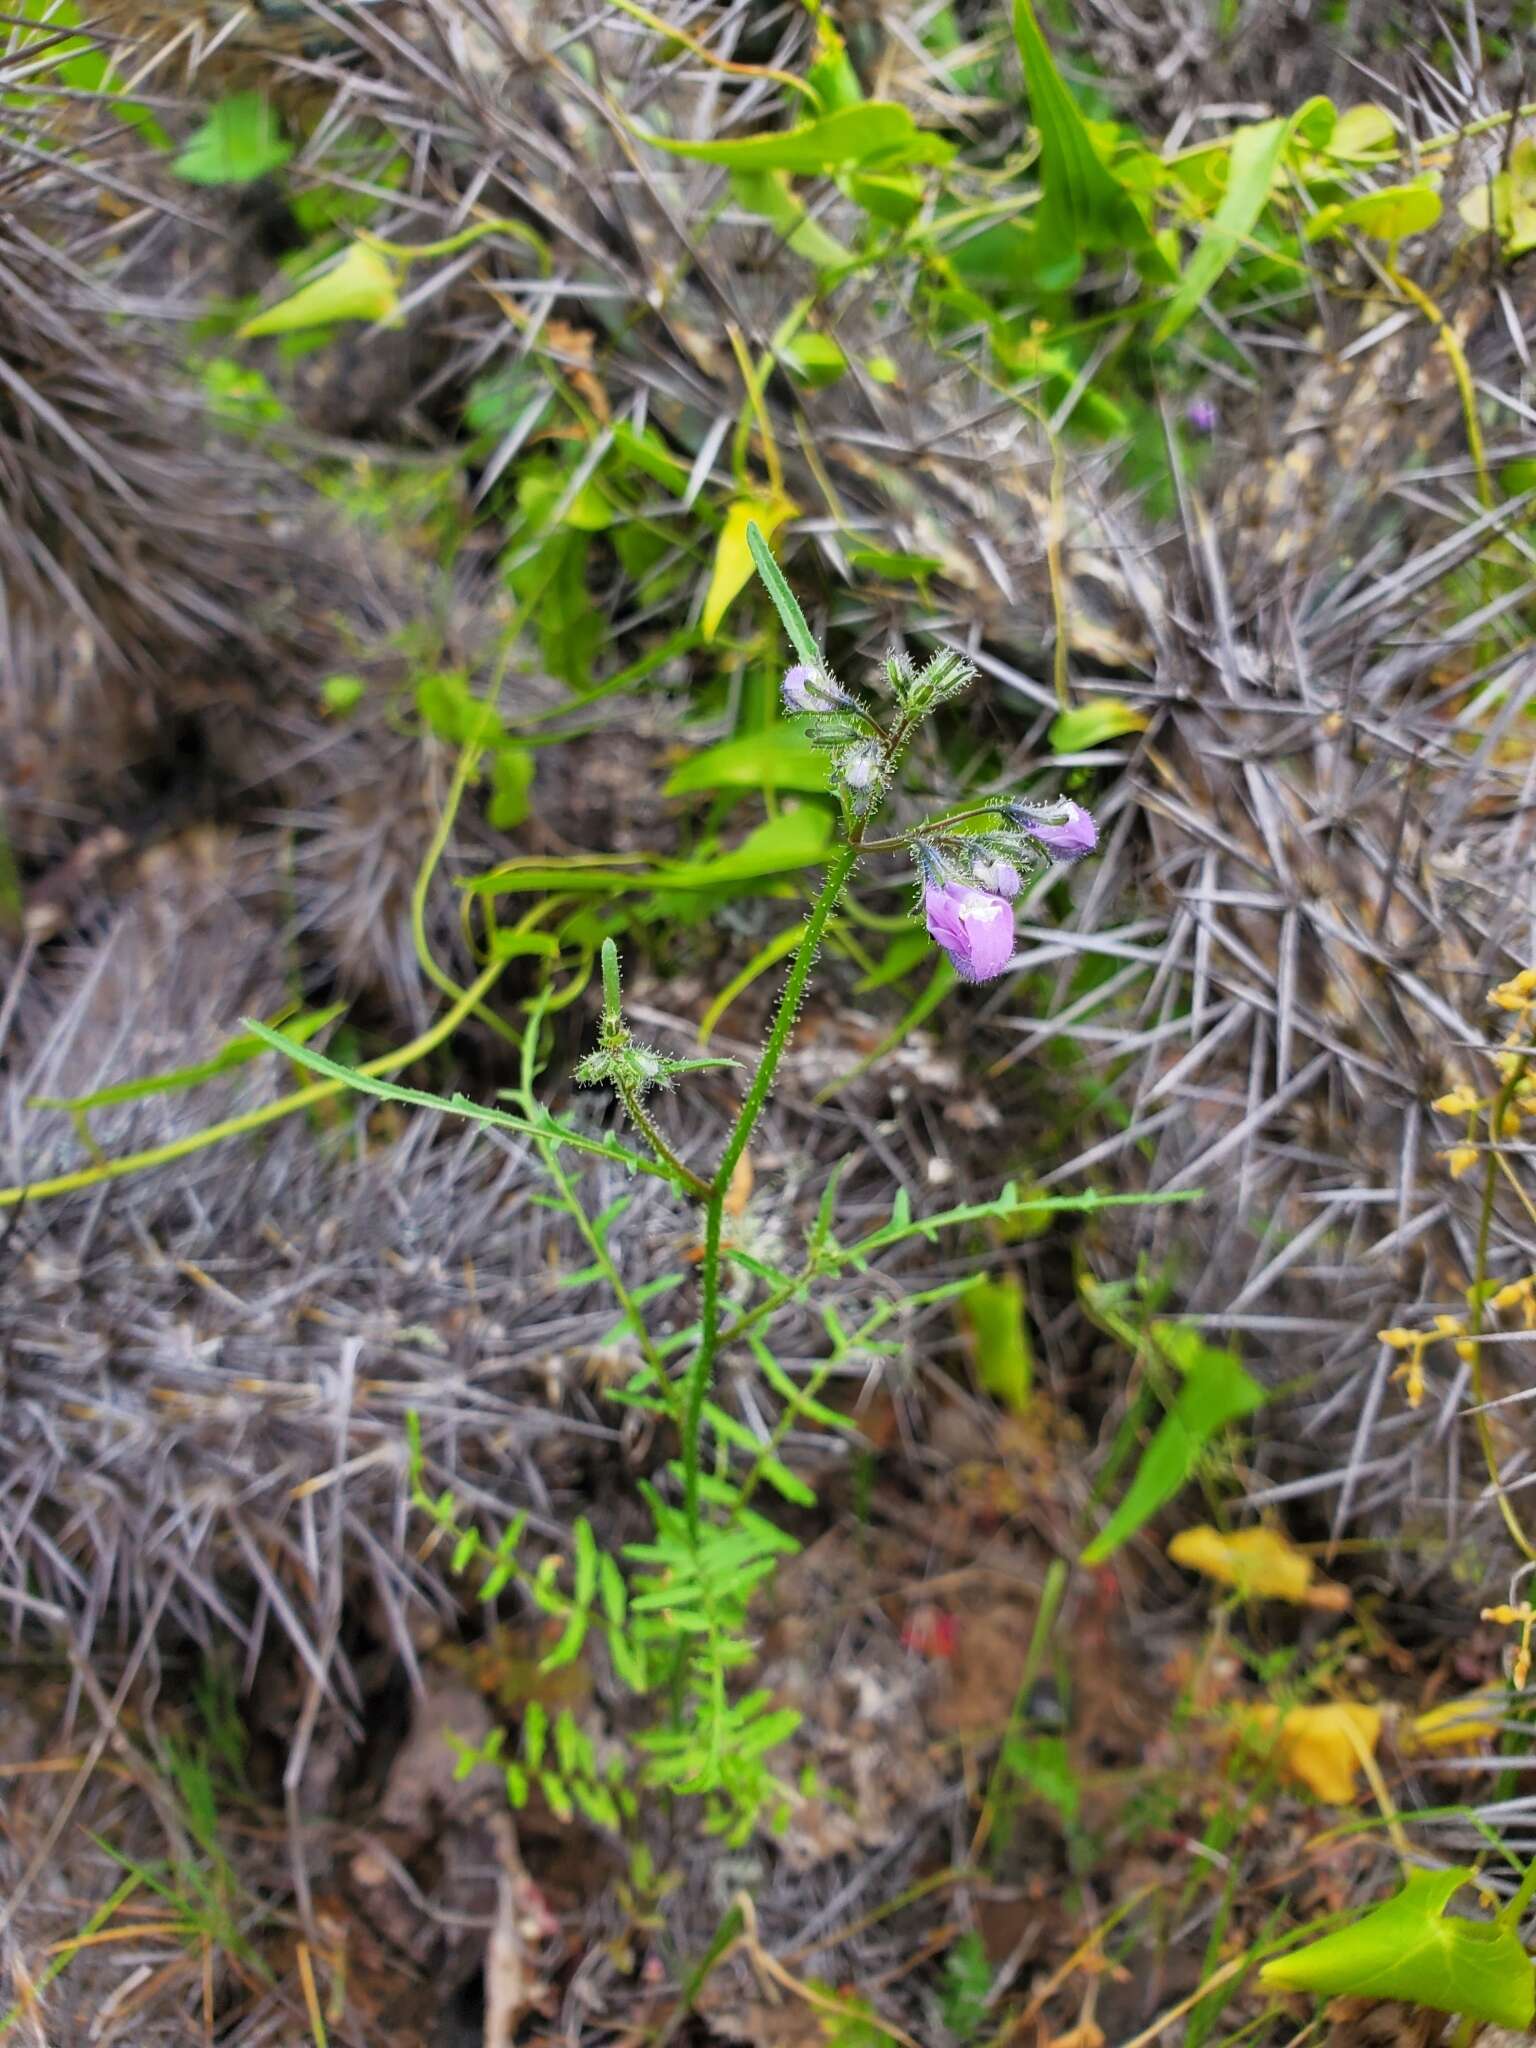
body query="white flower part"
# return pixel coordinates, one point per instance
(983, 910)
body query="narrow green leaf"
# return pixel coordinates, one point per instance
(585, 1590)
(1254, 160)
(569, 1746)
(786, 1483)
(235, 1052)
(559, 1798)
(1216, 1391)
(611, 1584)
(568, 1649)
(1082, 205)
(874, 131)
(785, 603)
(552, 1133)
(778, 757)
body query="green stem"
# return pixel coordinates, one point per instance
(685, 1176)
(900, 841)
(700, 1371)
(1501, 1102)
(595, 1243)
(411, 252)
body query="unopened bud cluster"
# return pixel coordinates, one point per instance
(618, 1060)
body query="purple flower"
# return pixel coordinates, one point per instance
(808, 689)
(861, 765)
(974, 927)
(1064, 829)
(1201, 415)
(998, 878)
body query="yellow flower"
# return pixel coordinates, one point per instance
(1460, 1159)
(1517, 993)
(1415, 1343)
(1460, 1102)
(1458, 1724)
(1260, 1564)
(1523, 1617)
(1323, 1747)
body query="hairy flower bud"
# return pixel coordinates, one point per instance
(810, 689)
(859, 772)
(1063, 828)
(999, 877)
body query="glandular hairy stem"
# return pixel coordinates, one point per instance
(701, 1367)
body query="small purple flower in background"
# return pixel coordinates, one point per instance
(1064, 829)
(1202, 416)
(974, 927)
(807, 689)
(998, 878)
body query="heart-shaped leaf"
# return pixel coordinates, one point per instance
(1411, 1949)
(360, 287)
(1386, 216)
(239, 142)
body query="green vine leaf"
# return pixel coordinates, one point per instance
(1411, 1949)
(1386, 216)
(240, 141)
(362, 286)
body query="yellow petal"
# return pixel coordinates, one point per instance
(1321, 1747)
(1260, 1563)
(1459, 1724)
(1460, 1159)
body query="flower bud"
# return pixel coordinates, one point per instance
(1063, 828)
(810, 689)
(860, 767)
(998, 878)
